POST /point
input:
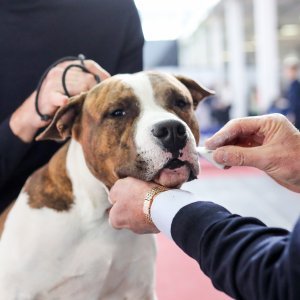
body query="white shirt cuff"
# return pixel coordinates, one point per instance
(166, 205)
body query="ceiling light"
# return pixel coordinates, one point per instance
(171, 19)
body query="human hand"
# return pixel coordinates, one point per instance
(127, 196)
(25, 121)
(270, 143)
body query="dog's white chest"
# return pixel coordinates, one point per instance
(58, 258)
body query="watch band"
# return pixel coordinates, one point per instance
(149, 199)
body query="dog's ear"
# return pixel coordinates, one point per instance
(197, 91)
(60, 127)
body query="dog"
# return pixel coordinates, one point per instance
(56, 241)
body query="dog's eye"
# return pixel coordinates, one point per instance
(118, 113)
(181, 103)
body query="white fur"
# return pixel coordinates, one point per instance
(152, 113)
(76, 254)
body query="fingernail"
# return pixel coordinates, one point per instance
(221, 156)
(214, 142)
(209, 144)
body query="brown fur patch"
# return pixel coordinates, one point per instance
(50, 186)
(3, 217)
(107, 141)
(197, 91)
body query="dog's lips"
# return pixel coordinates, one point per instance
(174, 164)
(174, 174)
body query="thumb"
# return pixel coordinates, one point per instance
(240, 156)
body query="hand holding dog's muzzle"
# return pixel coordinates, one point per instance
(128, 197)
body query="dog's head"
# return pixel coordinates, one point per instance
(141, 125)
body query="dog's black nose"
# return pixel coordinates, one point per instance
(171, 134)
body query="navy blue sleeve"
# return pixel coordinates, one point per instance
(294, 95)
(131, 57)
(12, 150)
(242, 256)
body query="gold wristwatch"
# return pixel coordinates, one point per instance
(149, 199)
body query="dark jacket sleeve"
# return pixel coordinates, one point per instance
(12, 150)
(294, 95)
(131, 57)
(242, 256)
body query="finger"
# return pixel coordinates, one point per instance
(91, 65)
(111, 223)
(94, 68)
(233, 130)
(116, 220)
(240, 156)
(115, 191)
(57, 99)
(66, 63)
(50, 103)
(112, 195)
(77, 83)
(111, 218)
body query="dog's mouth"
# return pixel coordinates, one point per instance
(174, 163)
(174, 173)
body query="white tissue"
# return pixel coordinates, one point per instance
(208, 155)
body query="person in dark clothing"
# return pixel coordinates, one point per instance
(293, 90)
(242, 256)
(34, 34)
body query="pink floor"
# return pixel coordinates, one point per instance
(179, 277)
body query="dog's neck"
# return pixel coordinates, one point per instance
(90, 194)
(66, 183)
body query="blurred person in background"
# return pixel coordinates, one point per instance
(291, 72)
(221, 105)
(280, 105)
(33, 35)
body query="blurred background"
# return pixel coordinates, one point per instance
(237, 47)
(248, 52)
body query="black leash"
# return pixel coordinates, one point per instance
(81, 66)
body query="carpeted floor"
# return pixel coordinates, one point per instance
(179, 276)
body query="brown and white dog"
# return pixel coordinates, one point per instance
(56, 242)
